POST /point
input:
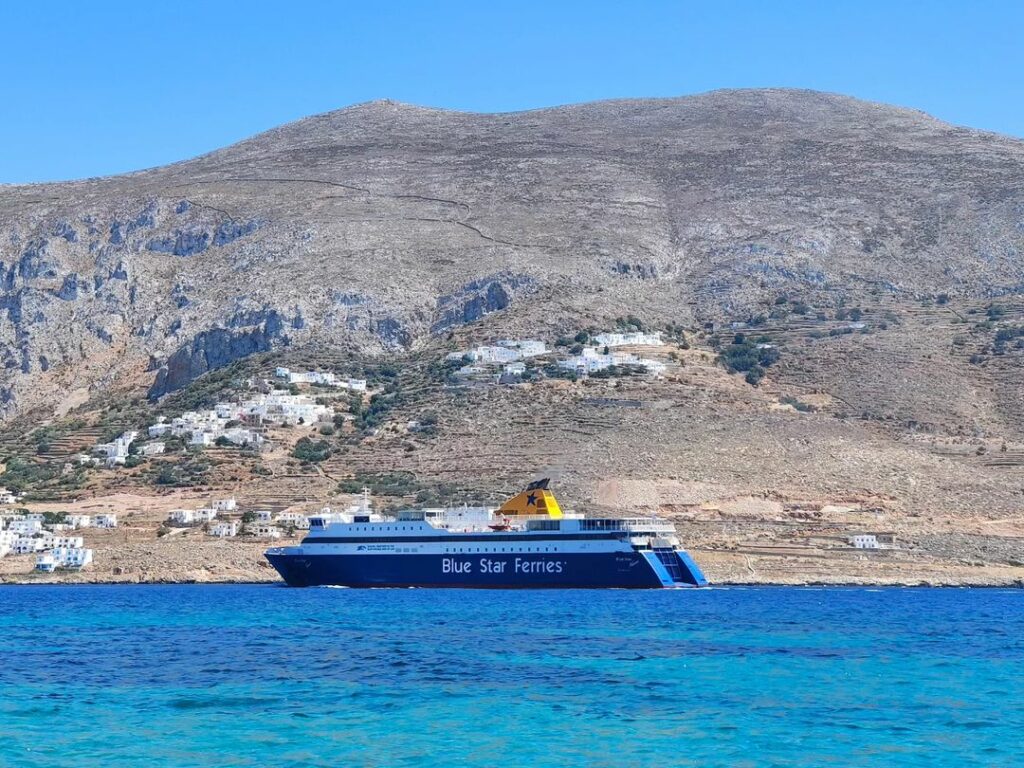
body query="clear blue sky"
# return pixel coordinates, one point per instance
(94, 88)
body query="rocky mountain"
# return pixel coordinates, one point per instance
(875, 252)
(382, 226)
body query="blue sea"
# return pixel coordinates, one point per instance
(269, 676)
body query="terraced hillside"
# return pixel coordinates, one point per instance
(877, 250)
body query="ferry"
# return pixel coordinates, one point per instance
(527, 542)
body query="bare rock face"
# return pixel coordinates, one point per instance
(383, 224)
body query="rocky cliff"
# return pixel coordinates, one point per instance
(383, 225)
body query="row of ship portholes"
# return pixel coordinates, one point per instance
(487, 550)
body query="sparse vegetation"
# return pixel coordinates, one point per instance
(308, 450)
(382, 484)
(749, 356)
(629, 323)
(186, 472)
(797, 404)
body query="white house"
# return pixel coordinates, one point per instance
(182, 516)
(46, 562)
(296, 519)
(78, 521)
(159, 429)
(243, 436)
(226, 410)
(622, 339)
(586, 363)
(7, 539)
(495, 354)
(590, 361)
(864, 541)
(37, 516)
(153, 448)
(225, 505)
(515, 369)
(265, 531)
(74, 558)
(116, 452)
(321, 378)
(8, 497)
(25, 527)
(262, 515)
(224, 529)
(204, 515)
(28, 544)
(68, 542)
(105, 521)
(470, 370)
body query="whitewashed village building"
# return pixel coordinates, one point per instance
(25, 527)
(224, 529)
(181, 516)
(590, 360)
(864, 541)
(265, 530)
(116, 452)
(321, 378)
(8, 497)
(72, 558)
(204, 515)
(505, 351)
(637, 338)
(296, 519)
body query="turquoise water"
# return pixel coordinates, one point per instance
(269, 676)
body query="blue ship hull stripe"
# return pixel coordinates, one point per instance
(522, 570)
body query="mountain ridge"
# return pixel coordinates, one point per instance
(712, 202)
(396, 106)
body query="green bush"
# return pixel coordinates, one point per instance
(21, 475)
(310, 450)
(744, 356)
